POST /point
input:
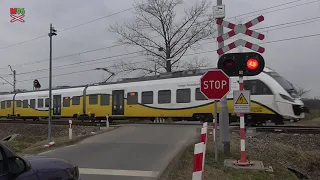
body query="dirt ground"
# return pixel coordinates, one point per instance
(280, 151)
(33, 137)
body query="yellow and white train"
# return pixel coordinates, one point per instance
(171, 95)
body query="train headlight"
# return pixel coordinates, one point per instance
(286, 97)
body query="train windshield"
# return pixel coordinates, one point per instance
(285, 84)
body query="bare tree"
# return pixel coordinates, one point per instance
(301, 91)
(163, 38)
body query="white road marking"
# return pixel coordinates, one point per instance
(117, 172)
(45, 152)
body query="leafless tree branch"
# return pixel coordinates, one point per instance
(174, 37)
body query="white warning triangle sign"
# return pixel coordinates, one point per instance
(241, 100)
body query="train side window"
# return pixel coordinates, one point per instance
(3, 104)
(164, 96)
(25, 103)
(40, 103)
(183, 95)
(132, 98)
(104, 99)
(93, 99)
(9, 104)
(66, 101)
(46, 102)
(147, 97)
(199, 95)
(18, 103)
(257, 87)
(32, 103)
(75, 100)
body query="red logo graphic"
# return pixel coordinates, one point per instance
(17, 14)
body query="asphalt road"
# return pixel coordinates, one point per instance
(129, 152)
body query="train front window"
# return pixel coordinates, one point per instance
(284, 83)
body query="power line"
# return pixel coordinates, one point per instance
(81, 62)
(74, 72)
(99, 59)
(281, 9)
(304, 21)
(291, 2)
(66, 29)
(128, 10)
(279, 40)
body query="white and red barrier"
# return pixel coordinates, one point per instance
(107, 121)
(200, 154)
(50, 144)
(70, 129)
(203, 139)
(198, 161)
(214, 126)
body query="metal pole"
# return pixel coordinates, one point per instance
(223, 113)
(50, 87)
(14, 91)
(215, 121)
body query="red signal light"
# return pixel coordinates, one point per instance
(252, 64)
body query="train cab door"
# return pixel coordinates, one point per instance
(118, 102)
(56, 105)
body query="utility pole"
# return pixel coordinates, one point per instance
(50, 34)
(14, 78)
(223, 113)
(14, 90)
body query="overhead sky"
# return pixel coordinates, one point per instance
(295, 59)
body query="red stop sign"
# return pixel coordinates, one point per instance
(215, 84)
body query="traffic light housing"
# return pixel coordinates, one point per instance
(36, 84)
(250, 63)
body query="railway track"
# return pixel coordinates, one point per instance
(265, 128)
(86, 123)
(290, 129)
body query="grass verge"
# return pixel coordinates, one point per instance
(278, 155)
(31, 146)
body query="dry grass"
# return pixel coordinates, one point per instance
(314, 113)
(278, 154)
(32, 138)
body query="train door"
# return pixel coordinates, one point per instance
(118, 102)
(57, 105)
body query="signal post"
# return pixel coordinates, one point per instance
(239, 65)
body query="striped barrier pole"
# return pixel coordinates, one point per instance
(70, 129)
(203, 139)
(205, 124)
(214, 130)
(198, 161)
(243, 160)
(107, 121)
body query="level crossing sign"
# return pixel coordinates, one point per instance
(240, 28)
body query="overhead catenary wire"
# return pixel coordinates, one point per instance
(119, 55)
(66, 29)
(97, 19)
(209, 51)
(304, 21)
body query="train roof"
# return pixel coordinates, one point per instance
(167, 75)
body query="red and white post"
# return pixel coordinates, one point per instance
(107, 121)
(70, 129)
(214, 126)
(243, 160)
(198, 161)
(203, 139)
